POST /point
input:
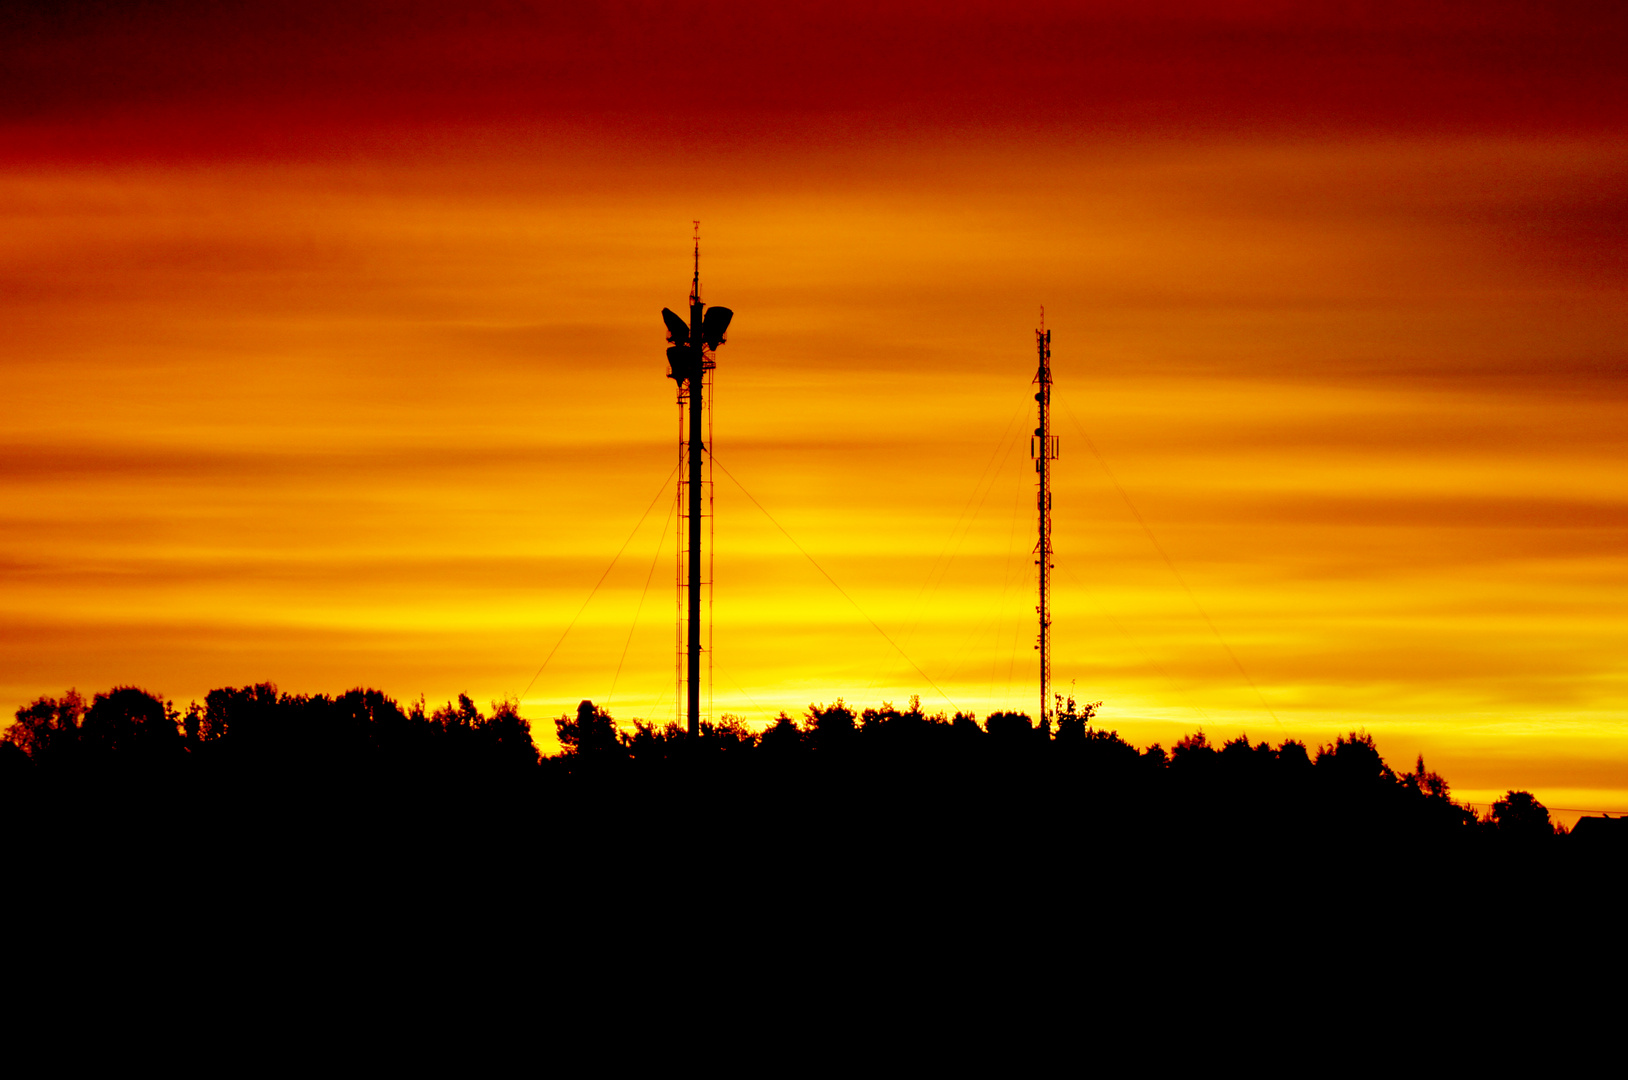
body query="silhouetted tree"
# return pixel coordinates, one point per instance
(1292, 756)
(1073, 719)
(192, 725)
(1008, 728)
(1430, 802)
(1428, 784)
(1354, 761)
(1191, 750)
(1103, 747)
(1246, 765)
(872, 721)
(729, 735)
(505, 736)
(456, 728)
(463, 716)
(130, 722)
(1294, 774)
(830, 727)
(376, 722)
(965, 728)
(650, 742)
(47, 727)
(1521, 816)
(247, 714)
(590, 734)
(782, 737)
(1243, 750)
(906, 735)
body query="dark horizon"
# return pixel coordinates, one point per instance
(348, 738)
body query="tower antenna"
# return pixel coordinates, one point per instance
(1043, 447)
(691, 360)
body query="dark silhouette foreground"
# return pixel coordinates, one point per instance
(356, 832)
(842, 786)
(864, 846)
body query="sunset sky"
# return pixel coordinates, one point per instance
(333, 357)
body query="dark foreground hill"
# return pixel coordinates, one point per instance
(346, 859)
(251, 777)
(885, 861)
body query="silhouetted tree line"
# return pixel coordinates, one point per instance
(1345, 786)
(253, 790)
(830, 776)
(255, 727)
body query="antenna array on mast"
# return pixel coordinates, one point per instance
(1043, 447)
(692, 360)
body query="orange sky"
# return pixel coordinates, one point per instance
(333, 358)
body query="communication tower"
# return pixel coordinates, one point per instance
(1043, 447)
(691, 360)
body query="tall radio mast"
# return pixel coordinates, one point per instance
(691, 360)
(1044, 448)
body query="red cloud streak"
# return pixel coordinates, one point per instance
(153, 80)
